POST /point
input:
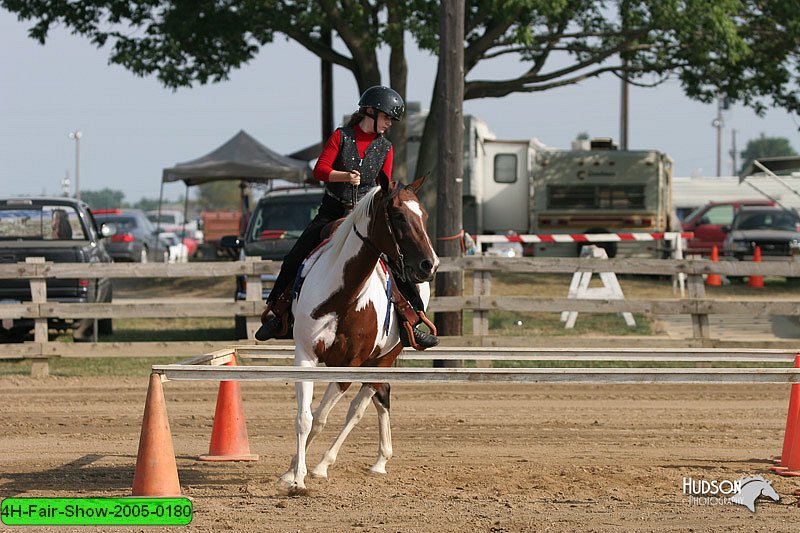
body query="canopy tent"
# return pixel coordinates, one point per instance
(776, 168)
(241, 158)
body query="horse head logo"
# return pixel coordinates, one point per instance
(751, 488)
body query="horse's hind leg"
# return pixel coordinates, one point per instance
(354, 415)
(381, 402)
(332, 395)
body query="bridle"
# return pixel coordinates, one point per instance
(397, 266)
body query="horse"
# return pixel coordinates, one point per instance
(344, 317)
(751, 488)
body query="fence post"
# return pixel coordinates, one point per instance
(697, 291)
(40, 366)
(481, 286)
(252, 294)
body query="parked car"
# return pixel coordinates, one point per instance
(277, 221)
(776, 231)
(136, 238)
(708, 221)
(61, 230)
(175, 222)
(178, 251)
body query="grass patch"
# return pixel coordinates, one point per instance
(91, 366)
(549, 324)
(165, 329)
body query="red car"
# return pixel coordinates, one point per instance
(707, 223)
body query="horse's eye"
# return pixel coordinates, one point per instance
(398, 219)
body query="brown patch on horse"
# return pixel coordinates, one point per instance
(356, 330)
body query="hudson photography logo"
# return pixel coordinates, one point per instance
(744, 491)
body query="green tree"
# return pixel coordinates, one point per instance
(746, 49)
(219, 195)
(103, 199)
(766, 147)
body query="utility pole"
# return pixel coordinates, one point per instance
(65, 185)
(733, 153)
(326, 82)
(76, 136)
(717, 123)
(623, 112)
(624, 96)
(450, 159)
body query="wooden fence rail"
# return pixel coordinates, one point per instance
(481, 302)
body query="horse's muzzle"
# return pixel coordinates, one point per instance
(422, 272)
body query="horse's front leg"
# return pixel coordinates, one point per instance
(332, 395)
(381, 402)
(304, 391)
(354, 415)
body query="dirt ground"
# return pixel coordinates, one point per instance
(475, 457)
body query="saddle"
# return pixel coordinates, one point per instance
(282, 305)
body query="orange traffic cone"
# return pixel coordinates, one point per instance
(229, 434)
(156, 472)
(791, 424)
(757, 282)
(714, 279)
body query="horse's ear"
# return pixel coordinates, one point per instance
(417, 184)
(383, 181)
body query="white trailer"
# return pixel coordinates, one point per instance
(529, 188)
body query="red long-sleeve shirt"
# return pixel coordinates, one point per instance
(324, 166)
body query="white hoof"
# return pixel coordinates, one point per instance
(297, 489)
(288, 478)
(320, 471)
(378, 470)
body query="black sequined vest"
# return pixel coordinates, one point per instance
(348, 160)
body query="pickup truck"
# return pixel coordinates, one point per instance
(61, 230)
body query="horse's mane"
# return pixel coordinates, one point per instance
(337, 240)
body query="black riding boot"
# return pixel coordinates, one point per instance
(424, 340)
(270, 329)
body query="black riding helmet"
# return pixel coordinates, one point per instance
(383, 99)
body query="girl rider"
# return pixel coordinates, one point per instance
(349, 165)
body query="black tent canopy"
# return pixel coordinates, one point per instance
(241, 158)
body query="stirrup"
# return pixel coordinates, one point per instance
(273, 324)
(415, 338)
(274, 327)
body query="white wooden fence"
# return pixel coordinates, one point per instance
(481, 302)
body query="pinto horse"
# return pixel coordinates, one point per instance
(344, 315)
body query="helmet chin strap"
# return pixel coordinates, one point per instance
(374, 117)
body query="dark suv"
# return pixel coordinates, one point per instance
(776, 231)
(276, 222)
(708, 223)
(136, 237)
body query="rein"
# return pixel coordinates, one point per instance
(398, 268)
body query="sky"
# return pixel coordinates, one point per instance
(132, 128)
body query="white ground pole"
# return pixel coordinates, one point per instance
(210, 367)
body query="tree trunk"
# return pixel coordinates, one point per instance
(398, 77)
(450, 159)
(426, 158)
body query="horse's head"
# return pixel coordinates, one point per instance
(403, 237)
